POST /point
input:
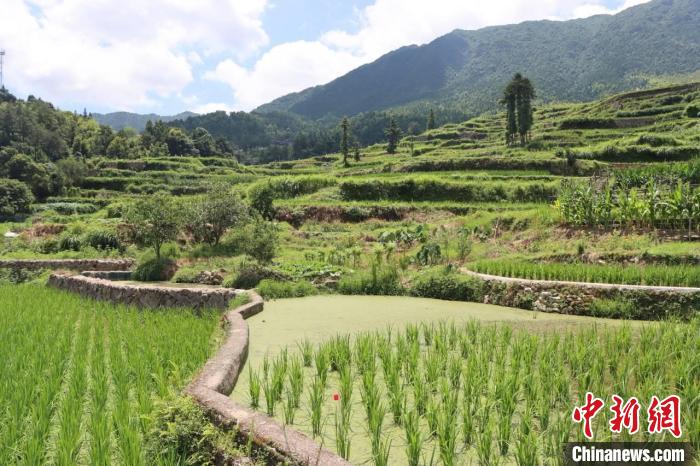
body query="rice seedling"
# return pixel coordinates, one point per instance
(296, 381)
(254, 388)
(290, 407)
(316, 404)
(447, 434)
(414, 437)
(503, 395)
(306, 349)
(321, 362)
(342, 434)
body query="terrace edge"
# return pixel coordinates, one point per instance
(215, 382)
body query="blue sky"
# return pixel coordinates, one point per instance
(167, 56)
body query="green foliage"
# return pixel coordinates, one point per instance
(429, 254)
(447, 285)
(653, 275)
(612, 309)
(182, 434)
(92, 370)
(153, 221)
(276, 289)
(428, 189)
(654, 205)
(155, 270)
(262, 240)
(211, 215)
(379, 280)
(70, 243)
(261, 197)
(250, 274)
(693, 111)
(587, 123)
(15, 198)
(103, 240)
(393, 135)
(517, 97)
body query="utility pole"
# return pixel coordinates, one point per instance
(2, 58)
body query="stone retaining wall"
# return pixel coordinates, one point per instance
(108, 274)
(69, 264)
(215, 382)
(649, 302)
(145, 296)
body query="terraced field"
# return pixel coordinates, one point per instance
(80, 379)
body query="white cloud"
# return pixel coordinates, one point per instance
(120, 54)
(283, 69)
(384, 26)
(212, 107)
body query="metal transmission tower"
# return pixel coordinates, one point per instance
(2, 59)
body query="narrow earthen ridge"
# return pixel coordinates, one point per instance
(68, 264)
(215, 382)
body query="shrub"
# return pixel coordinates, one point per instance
(250, 274)
(693, 111)
(15, 198)
(155, 270)
(588, 123)
(439, 284)
(379, 280)
(103, 240)
(69, 243)
(612, 308)
(656, 140)
(262, 240)
(276, 289)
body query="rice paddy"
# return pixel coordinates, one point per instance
(472, 393)
(80, 378)
(653, 275)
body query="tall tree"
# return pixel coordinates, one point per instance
(431, 120)
(345, 140)
(526, 92)
(393, 135)
(517, 97)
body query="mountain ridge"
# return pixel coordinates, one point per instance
(574, 60)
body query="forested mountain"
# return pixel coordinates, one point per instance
(567, 60)
(137, 121)
(44, 150)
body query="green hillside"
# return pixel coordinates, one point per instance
(568, 61)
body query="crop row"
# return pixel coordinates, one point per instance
(79, 379)
(654, 205)
(459, 394)
(425, 189)
(653, 275)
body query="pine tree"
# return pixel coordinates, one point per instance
(356, 150)
(393, 134)
(345, 140)
(431, 120)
